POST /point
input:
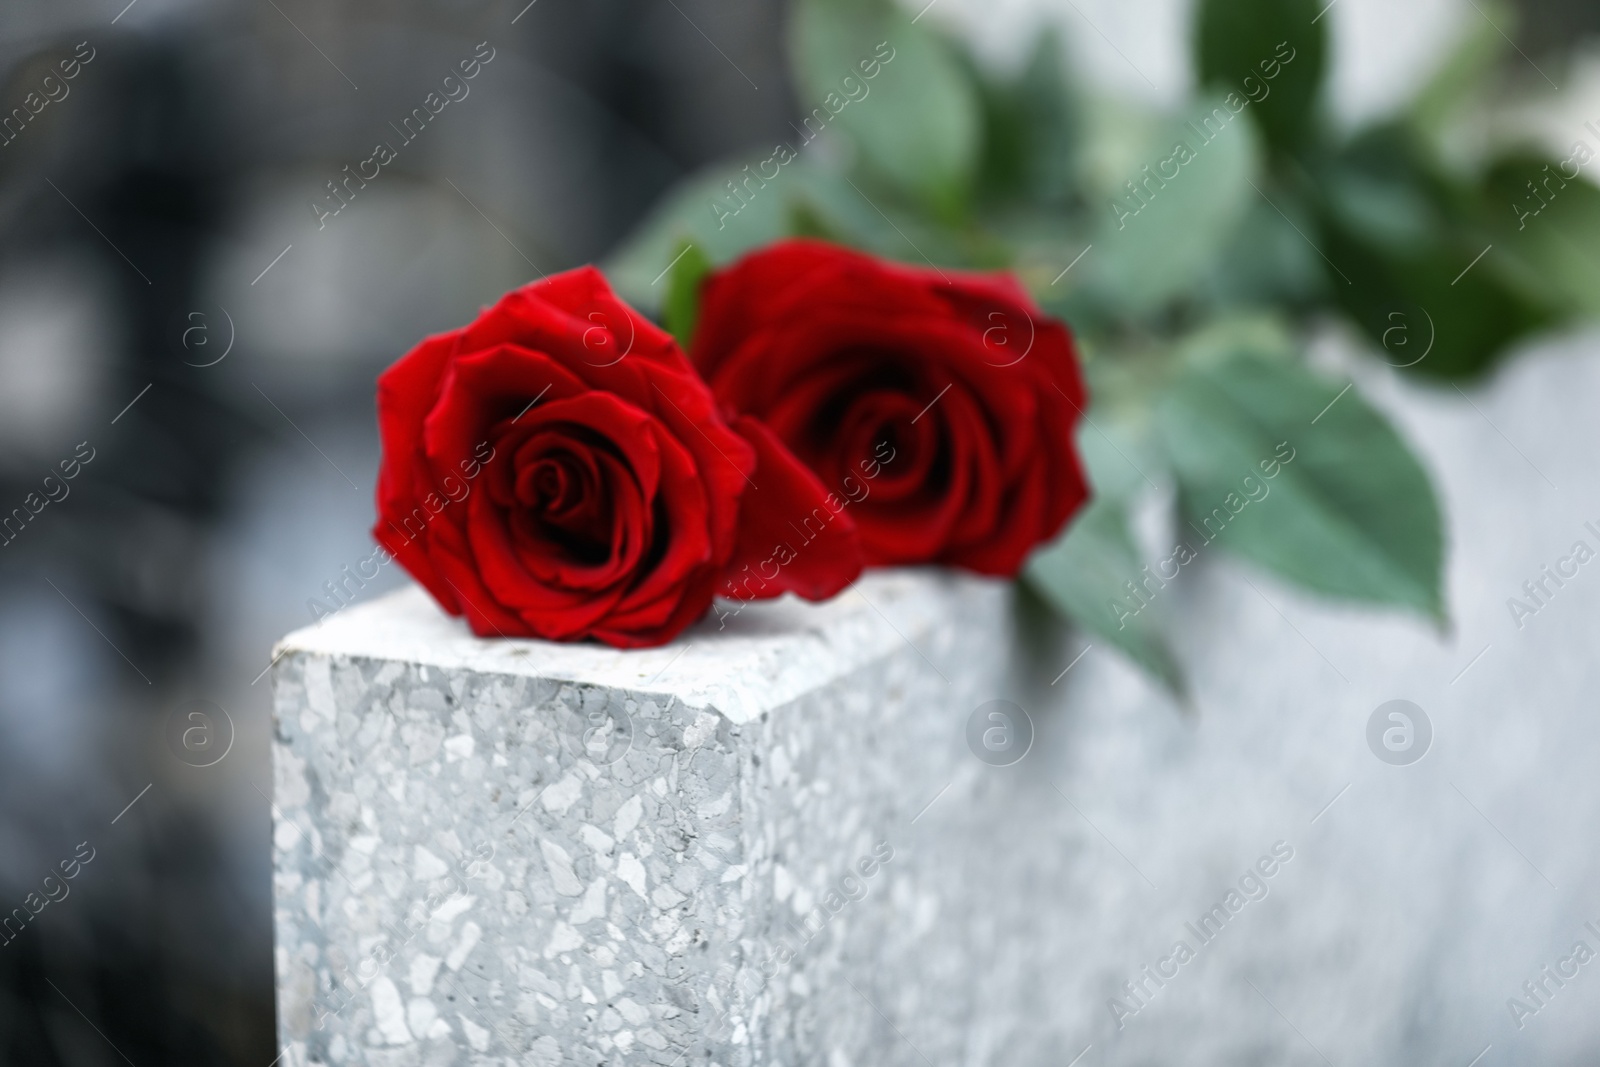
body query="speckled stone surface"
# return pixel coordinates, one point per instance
(512, 852)
(631, 912)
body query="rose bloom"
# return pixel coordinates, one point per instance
(556, 469)
(941, 404)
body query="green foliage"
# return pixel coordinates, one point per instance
(1166, 228)
(1305, 478)
(1273, 50)
(1083, 574)
(1548, 224)
(1269, 262)
(916, 123)
(725, 212)
(1032, 128)
(1400, 236)
(1190, 277)
(690, 213)
(1464, 79)
(682, 308)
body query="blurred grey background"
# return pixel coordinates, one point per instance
(171, 304)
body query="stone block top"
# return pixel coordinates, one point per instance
(739, 661)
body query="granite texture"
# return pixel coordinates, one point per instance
(1404, 916)
(515, 852)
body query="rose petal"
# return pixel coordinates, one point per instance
(791, 527)
(807, 337)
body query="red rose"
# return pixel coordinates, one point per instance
(940, 404)
(556, 469)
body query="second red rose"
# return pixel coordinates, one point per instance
(938, 405)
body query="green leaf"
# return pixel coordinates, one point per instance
(1268, 262)
(1400, 235)
(727, 211)
(895, 89)
(1259, 335)
(1163, 229)
(1031, 129)
(682, 308)
(1270, 52)
(1285, 469)
(1465, 75)
(1550, 223)
(802, 198)
(1085, 574)
(701, 210)
(1082, 575)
